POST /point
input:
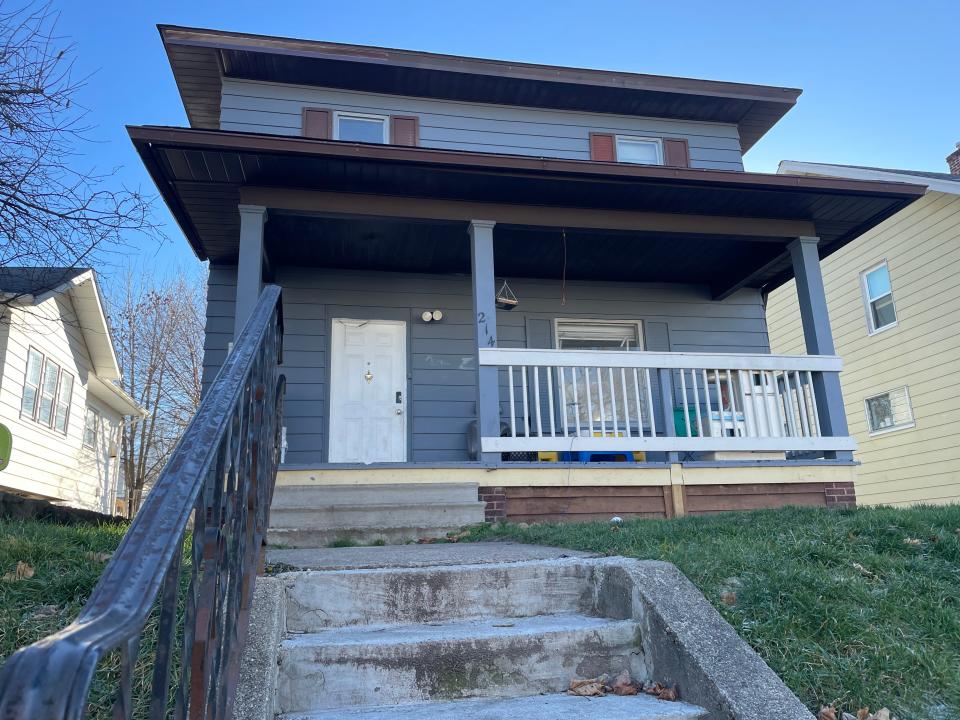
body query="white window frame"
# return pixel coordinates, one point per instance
(55, 401)
(36, 398)
(912, 422)
(872, 329)
(91, 411)
(337, 115)
(657, 142)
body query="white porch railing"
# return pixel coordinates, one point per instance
(603, 401)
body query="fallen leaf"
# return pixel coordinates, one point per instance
(99, 557)
(669, 693)
(623, 685)
(863, 571)
(915, 542)
(729, 598)
(881, 714)
(848, 716)
(827, 712)
(592, 687)
(45, 611)
(863, 713)
(22, 572)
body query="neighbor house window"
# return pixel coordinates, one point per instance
(588, 397)
(91, 426)
(360, 128)
(878, 298)
(889, 411)
(643, 151)
(47, 392)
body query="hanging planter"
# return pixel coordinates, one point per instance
(506, 300)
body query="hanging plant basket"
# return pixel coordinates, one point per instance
(506, 300)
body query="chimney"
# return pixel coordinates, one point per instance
(953, 161)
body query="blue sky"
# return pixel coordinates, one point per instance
(879, 78)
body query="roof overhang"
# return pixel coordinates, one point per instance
(795, 167)
(203, 175)
(114, 398)
(200, 58)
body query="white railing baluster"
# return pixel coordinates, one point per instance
(686, 403)
(813, 404)
(650, 413)
(526, 407)
(589, 391)
(723, 411)
(748, 422)
(550, 409)
(626, 403)
(513, 403)
(536, 398)
(802, 405)
(636, 395)
(791, 415)
(756, 410)
(576, 400)
(770, 386)
(613, 400)
(706, 396)
(696, 400)
(601, 408)
(562, 382)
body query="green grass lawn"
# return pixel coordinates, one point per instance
(66, 561)
(852, 608)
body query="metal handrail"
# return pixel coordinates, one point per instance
(221, 477)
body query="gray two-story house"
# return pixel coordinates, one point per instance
(545, 281)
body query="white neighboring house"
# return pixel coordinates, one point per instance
(57, 391)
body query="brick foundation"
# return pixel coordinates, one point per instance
(840, 495)
(496, 500)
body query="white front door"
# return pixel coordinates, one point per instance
(368, 388)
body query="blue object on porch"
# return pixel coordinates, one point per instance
(585, 456)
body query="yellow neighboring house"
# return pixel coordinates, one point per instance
(894, 299)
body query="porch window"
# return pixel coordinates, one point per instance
(47, 392)
(642, 151)
(878, 298)
(889, 411)
(588, 395)
(360, 128)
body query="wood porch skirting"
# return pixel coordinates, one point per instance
(534, 504)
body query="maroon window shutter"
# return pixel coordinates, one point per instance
(317, 123)
(602, 147)
(404, 130)
(676, 152)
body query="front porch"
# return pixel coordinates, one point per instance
(632, 377)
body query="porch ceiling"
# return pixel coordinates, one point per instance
(201, 174)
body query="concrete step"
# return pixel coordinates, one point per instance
(437, 594)
(322, 537)
(295, 496)
(490, 657)
(384, 515)
(535, 707)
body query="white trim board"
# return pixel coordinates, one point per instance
(796, 167)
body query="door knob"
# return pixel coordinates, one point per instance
(368, 376)
(399, 411)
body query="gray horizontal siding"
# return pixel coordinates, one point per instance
(274, 108)
(441, 371)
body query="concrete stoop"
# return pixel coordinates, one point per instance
(316, 515)
(488, 640)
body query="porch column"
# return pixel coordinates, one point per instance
(485, 323)
(249, 263)
(819, 338)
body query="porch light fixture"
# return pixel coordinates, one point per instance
(429, 315)
(506, 300)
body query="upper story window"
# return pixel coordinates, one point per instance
(640, 150)
(47, 392)
(878, 298)
(361, 128)
(889, 411)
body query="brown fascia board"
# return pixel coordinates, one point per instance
(226, 40)
(760, 118)
(190, 138)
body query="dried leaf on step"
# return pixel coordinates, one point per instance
(914, 542)
(98, 557)
(669, 693)
(22, 572)
(827, 712)
(623, 685)
(592, 687)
